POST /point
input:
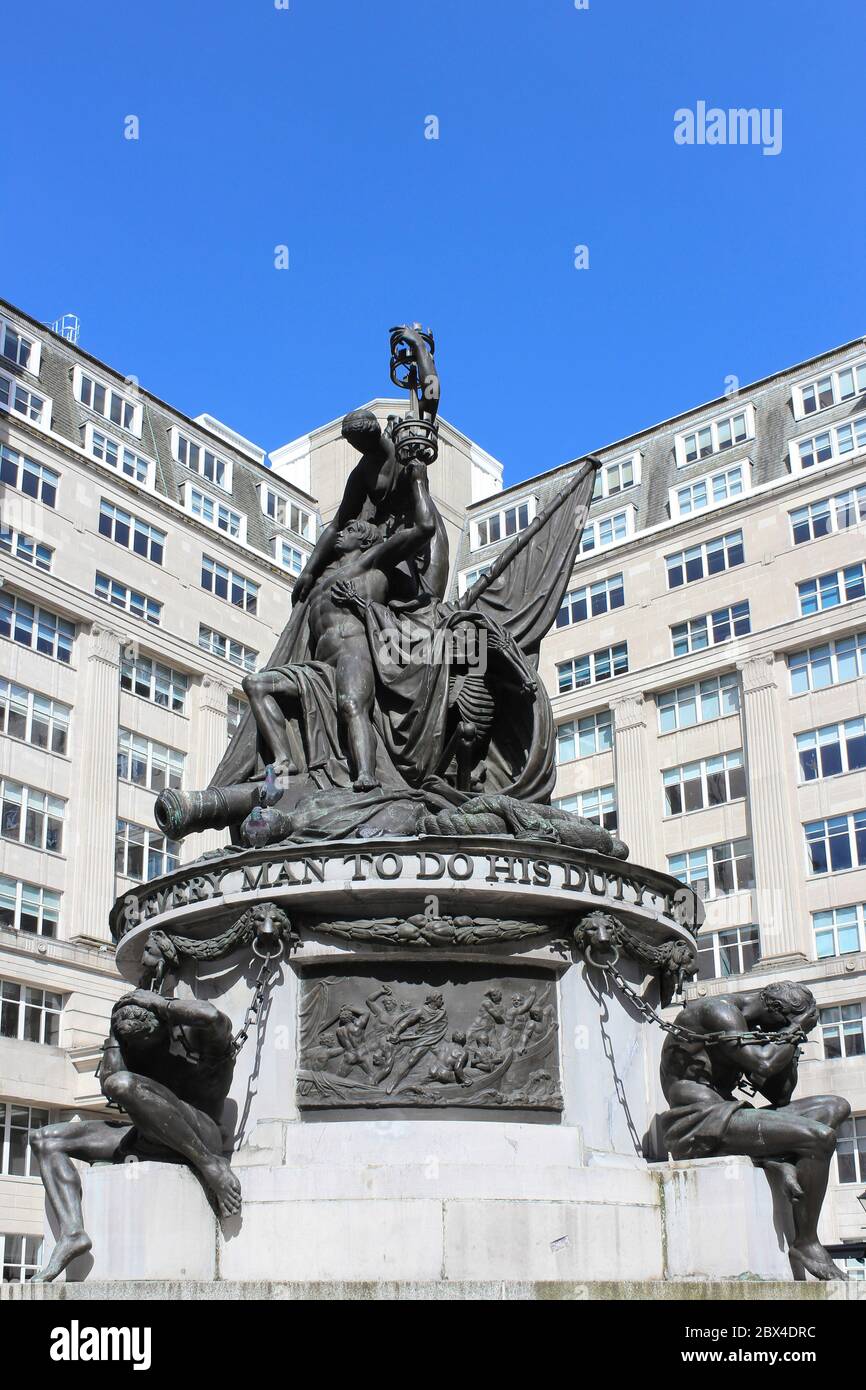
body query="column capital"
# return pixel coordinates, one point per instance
(758, 672)
(628, 712)
(105, 644)
(213, 695)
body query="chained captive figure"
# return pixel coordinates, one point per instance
(168, 1063)
(796, 1138)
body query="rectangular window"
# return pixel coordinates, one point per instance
(148, 764)
(590, 601)
(711, 629)
(18, 399)
(580, 738)
(288, 556)
(614, 478)
(700, 561)
(17, 1125)
(33, 718)
(28, 476)
(20, 1257)
(131, 532)
(839, 931)
(832, 589)
(730, 952)
(143, 854)
(25, 548)
(851, 1150)
(834, 443)
(117, 455)
(698, 703)
(19, 347)
(597, 805)
(828, 514)
(502, 525)
(716, 871)
(830, 389)
(589, 670)
(842, 1031)
(832, 750)
(219, 645)
(28, 907)
(227, 584)
(712, 491)
(30, 1015)
(130, 600)
(106, 401)
(31, 817)
(831, 663)
(151, 681)
(715, 437)
(285, 512)
(34, 627)
(237, 708)
(202, 460)
(607, 531)
(710, 782)
(214, 513)
(836, 844)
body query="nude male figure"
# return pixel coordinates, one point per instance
(797, 1138)
(356, 573)
(174, 1101)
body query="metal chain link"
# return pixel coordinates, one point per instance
(259, 990)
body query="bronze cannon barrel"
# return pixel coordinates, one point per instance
(183, 813)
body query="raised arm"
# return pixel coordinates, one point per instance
(407, 540)
(323, 551)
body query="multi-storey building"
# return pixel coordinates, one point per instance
(707, 672)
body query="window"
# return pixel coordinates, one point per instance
(150, 681)
(580, 738)
(117, 455)
(148, 764)
(130, 600)
(219, 645)
(730, 952)
(618, 477)
(830, 389)
(590, 601)
(853, 1265)
(851, 1150)
(837, 843)
(832, 750)
(839, 931)
(20, 1257)
(831, 589)
(133, 534)
(17, 1124)
(832, 663)
(19, 348)
(710, 782)
(199, 459)
(698, 703)
(597, 805)
(608, 530)
(287, 513)
(700, 561)
(30, 1015)
(237, 708)
(105, 401)
(842, 1031)
(597, 666)
(34, 627)
(711, 629)
(828, 514)
(716, 871)
(28, 476)
(715, 437)
(27, 907)
(218, 579)
(141, 853)
(503, 524)
(31, 817)
(22, 401)
(33, 718)
(711, 491)
(288, 555)
(468, 577)
(215, 514)
(25, 548)
(831, 445)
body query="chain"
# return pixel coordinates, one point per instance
(259, 991)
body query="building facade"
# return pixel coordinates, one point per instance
(707, 673)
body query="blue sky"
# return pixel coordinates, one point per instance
(305, 127)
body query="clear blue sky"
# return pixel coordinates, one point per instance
(305, 127)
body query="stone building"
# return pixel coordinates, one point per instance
(707, 673)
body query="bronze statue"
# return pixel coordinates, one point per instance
(718, 1044)
(168, 1063)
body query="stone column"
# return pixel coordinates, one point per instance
(90, 860)
(637, 805)
(208, 742)
(780, 905)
